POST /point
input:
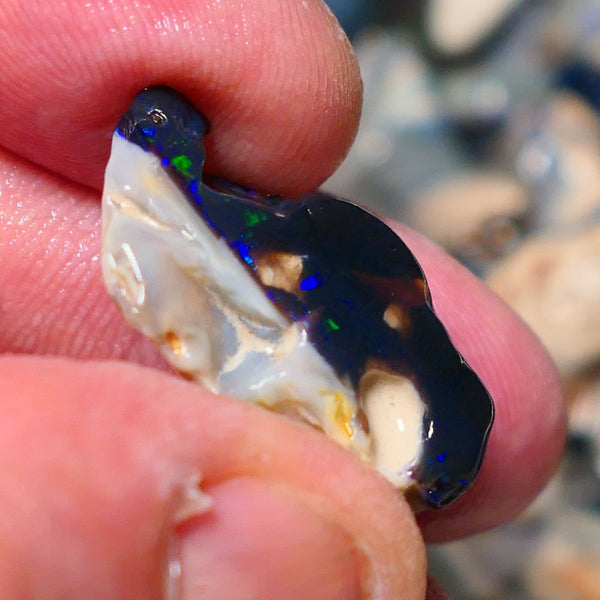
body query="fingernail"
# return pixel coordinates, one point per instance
(258, 542)
(192, 502)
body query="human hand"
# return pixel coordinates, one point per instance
(99, 457)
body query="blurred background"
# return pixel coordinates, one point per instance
(481, 129)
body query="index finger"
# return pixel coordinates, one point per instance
(275, 78)
(529, 430)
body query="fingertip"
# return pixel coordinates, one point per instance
(527, 438)
(277, 80)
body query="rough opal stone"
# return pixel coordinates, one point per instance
(311, 307)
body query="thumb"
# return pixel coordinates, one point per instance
(123, 482)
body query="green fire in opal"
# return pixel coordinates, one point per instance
(182, 163)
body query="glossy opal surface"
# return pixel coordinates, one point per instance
(311, 307)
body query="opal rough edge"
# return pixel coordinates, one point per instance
(311, 307)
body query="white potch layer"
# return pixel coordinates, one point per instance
(183, 287)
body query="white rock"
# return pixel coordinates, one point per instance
(457, 26)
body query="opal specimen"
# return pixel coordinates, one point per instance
(311, 307)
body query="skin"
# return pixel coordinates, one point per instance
(99, 442)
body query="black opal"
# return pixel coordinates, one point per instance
(354, 267)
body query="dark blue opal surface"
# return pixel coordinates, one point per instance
(354, 267)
